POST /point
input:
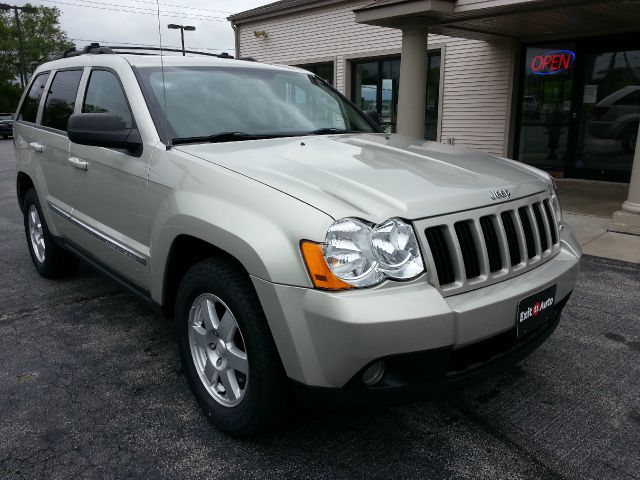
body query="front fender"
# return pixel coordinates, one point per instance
(260, 226)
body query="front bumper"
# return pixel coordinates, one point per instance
(325, 339)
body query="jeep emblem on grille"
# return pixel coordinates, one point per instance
(500, 194)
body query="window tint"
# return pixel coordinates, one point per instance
(105, 95)
(61, 99)
(29, 109)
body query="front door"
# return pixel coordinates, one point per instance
(111, 208)
(546, 106)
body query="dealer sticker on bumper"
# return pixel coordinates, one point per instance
(535, 310)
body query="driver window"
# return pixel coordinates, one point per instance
(104, 95)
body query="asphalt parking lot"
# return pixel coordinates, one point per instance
(91, 387)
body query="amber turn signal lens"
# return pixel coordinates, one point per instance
(318, 269)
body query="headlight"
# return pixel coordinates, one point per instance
(361, 255)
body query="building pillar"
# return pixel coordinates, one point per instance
(627, 220)
(412, 92)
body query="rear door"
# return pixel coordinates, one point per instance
(51, 145)
(25, 124)
(111, 206)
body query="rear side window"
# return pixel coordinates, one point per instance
(61, 99)
(29, 109)
(105, 95)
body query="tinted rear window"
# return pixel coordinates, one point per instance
(61, 99)
(29, 109)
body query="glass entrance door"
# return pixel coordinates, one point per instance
(579, 107)
(546, 110)
(609, 112)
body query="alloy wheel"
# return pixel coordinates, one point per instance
(218, 350)
(35, 233)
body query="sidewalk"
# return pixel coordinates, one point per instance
(587, 208)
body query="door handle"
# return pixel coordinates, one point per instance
(76, 162)
(36, 147)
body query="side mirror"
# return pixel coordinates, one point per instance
(102, 130)
(373, 116)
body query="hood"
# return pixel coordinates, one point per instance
(375, 176)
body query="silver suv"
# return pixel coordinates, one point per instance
(297, 246)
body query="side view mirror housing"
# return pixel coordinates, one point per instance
(103, 130)
(373, 116)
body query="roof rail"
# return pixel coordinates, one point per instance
(96, 48)
(140, 50)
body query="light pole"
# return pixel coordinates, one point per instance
(22, 67)
(188, 28)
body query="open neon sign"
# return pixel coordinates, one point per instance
(553, 62)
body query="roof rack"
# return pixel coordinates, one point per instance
(96, 48)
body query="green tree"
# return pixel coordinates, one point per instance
(42, 37)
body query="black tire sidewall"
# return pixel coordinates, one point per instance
(58, 263)
(44, 268)
(250, 417)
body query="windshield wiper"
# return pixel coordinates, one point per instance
(221, 137)
(329, 131)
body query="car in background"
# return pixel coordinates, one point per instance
(617, 116)
(6, 125)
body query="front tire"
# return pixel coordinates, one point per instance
(226, 348)
(50, 260)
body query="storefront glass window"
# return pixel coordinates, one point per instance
(323, 70)
(610, 111)
(375, 87)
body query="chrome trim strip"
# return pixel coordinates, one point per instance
(110, 242)
(59, 211)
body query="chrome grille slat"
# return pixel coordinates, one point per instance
(482, 248)
(468, 250)
(536, 231)
(551, 215)
(502, 242)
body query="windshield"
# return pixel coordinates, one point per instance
(5, 116)
(205, 101)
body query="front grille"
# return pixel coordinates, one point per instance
(441, 254)
(470, 249)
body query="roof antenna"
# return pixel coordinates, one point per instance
(164, 90)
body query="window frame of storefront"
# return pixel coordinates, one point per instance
(583, 47)
(318, 62)
(395, 54)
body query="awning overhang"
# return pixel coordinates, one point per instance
(526, 20)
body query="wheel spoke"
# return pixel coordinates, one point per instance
(210, 372)
(230, 383)
(201, 337)
(209, 314)
(226, 329)
(237, 359)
